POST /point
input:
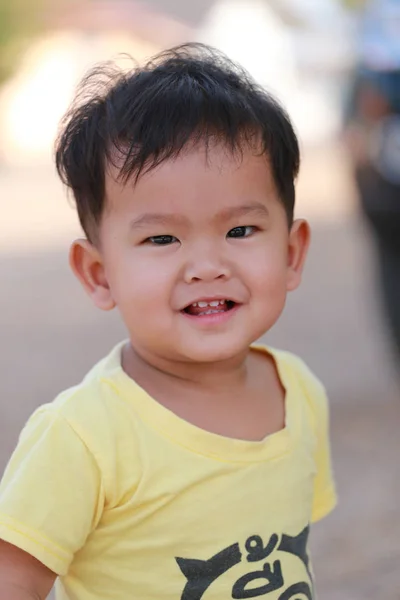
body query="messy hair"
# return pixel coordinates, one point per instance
(150, 114)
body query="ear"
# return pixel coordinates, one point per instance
(299, 242)
(86, 263)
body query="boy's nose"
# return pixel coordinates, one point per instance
(206, 268)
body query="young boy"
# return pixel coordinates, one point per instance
(190, 462)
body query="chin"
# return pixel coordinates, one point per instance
(214, 351)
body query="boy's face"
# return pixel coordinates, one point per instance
(198, 229)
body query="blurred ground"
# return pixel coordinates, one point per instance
(51, 335)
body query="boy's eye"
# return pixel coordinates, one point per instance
(242, 231)
(162, 240)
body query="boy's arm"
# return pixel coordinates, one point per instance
(51, 495)
(22, 577)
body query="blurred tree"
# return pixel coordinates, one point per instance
(20, 20)
(354, 4)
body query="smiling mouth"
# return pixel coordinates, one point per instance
(213, 307)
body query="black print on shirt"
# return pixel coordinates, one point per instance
(201, 574)
(273, 576)
(256, 550)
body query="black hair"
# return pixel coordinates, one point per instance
(150, 114)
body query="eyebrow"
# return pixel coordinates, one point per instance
(150, 219)
(166, 219)
(256, 209)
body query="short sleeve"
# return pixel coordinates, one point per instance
(324, 497)
(51, 493)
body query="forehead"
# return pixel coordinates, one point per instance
(200, 180)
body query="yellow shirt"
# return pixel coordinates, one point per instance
(126, 501)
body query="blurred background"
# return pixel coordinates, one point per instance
(316, 56)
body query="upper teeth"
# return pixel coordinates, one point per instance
(212, 303)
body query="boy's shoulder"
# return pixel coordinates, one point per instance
(298, 377)
(93, 415)
(292, 365)
(94, 407)
(94, 389)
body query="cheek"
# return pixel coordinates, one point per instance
(266, 271)
(140, 283)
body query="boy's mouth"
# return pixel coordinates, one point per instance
(209, 307)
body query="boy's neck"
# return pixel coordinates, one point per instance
(209, 377)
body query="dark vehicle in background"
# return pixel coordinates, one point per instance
(373, 138)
